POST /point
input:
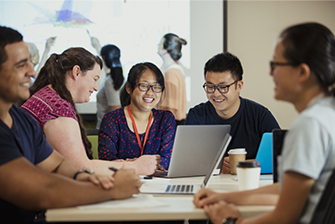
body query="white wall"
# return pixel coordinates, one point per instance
(207, 40)
(253, 27)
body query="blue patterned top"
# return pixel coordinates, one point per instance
(117, 141)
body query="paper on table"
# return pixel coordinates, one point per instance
(137, 201)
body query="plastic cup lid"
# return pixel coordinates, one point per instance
(248, 164)
(237, 151)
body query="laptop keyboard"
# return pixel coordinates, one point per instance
(179, 189)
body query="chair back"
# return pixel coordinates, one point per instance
(92, 135)
(325, 209)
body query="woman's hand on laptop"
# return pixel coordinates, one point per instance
(205, 197)
(146, 164)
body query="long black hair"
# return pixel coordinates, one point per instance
(314, 45)
(111, 55)
(54, 72)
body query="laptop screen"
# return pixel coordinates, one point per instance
(278, 141)
(218, 158)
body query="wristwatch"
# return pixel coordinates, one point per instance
(83, 170)
(229, 221)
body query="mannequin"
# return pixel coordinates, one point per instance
(174, 99)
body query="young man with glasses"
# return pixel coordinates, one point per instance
(248, 119)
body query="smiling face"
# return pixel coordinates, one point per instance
(86, 84)
(285, 77)
(15, 73)
(145, 101)
(225, 104)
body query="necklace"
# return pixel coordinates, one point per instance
(136, 131)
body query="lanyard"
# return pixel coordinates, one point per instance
(136, 132)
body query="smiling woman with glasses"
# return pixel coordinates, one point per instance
(137, 131)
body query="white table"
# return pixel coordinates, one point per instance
(175, 207)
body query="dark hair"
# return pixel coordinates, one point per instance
(173, 44)
(7, 36)
(111, 55)
(224, 62)
(314, 45)
(54, 72)
(134, 74)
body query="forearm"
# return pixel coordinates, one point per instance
(267, 195)
(33, 188)
(101, 167)
(267, 218)
(66, 168)
(59, 191)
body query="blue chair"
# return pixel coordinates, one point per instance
(92, 135)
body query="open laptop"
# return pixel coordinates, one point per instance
(264, 154)
(151, 188)
(278, 141)
(194, 149)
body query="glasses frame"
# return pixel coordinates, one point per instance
(273, 64)
(216, 87)
(149, 87)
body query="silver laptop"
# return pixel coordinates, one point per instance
(152, 188)
(194, 149)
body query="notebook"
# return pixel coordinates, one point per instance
(151, 188)
(264, 154)
(194, 149)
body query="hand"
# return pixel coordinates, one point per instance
(146, 164)
(105, 181)
(226, 166)
(160, 168)
(95, 43)
(221, 210)
(205, 197)
(50, 42)
(126, 183)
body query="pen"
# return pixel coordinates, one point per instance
(113, 169)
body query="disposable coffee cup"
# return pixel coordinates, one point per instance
(235, 156)
(248, 173)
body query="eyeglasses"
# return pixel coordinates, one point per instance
(273, 64)
(144, 87)
(209, 88)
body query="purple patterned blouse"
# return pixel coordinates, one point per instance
(46, 104)
(117, 141)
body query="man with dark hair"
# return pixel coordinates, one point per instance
(33, 176)
(248, 119)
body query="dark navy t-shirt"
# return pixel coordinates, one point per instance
(24, 139)
(247, 125)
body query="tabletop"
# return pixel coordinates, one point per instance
(149, 207)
